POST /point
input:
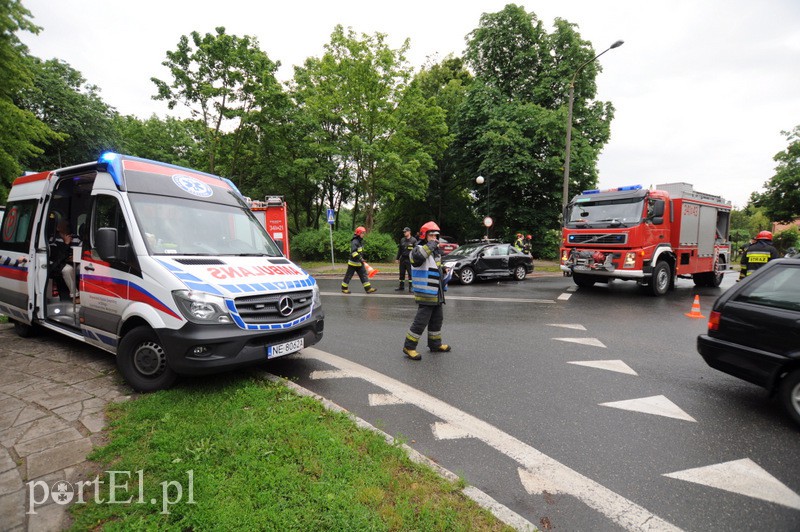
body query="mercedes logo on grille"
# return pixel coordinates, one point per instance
(285, 305)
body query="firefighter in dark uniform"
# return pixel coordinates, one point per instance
(527, 246)
(355, 263)
(758, 254)
(429, 282)
(403, 258)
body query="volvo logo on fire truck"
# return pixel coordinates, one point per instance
(285, 306)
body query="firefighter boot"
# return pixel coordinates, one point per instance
(412, 354)
(345, 289)
(441, 348)
(369, 289)
(399, 288)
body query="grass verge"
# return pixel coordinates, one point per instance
(261, 457)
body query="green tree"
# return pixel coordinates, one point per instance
(61, 98)
(222, 79)
(781, 199)
(21, 133)
(170, 140)
(512, 126)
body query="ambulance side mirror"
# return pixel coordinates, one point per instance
(106, 242)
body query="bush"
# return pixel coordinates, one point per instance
(315, 245)
(786, 239)
(547, 248)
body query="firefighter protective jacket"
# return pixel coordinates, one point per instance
(405, 247)
(356, 249)
(757, 255)
(427, 275)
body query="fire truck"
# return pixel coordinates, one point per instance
(271, 213)
(648, 236)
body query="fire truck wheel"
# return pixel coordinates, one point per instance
(659, 283)
(467, 275)
(143, 362)
(582, 280)
(789, 393)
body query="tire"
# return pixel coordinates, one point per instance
(23, 330)
(789, 393)
(520, 273)
(712, 279)
(142, 361)
(583, 280)
(466, 275)
(661, 280)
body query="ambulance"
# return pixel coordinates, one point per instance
(173, 273)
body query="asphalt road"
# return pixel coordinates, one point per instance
(579, 409)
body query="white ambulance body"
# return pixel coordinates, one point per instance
(175, 274)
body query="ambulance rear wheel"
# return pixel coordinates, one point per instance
(142, 361)
(23, 330)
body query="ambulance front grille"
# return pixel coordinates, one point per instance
(266, 308)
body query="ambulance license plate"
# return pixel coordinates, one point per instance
(285, 348)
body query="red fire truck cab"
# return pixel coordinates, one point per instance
(648, 236)
(271, 213)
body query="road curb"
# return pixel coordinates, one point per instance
(499, 510)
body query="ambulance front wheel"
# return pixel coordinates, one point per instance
(142, 361)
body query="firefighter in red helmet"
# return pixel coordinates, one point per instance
(527, 246)
(758, 254)
(355, 263)
(518, 242)
(429, 282)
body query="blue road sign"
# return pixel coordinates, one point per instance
(331, 216)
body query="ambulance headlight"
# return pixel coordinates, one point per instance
(199, 307)
(315, 296)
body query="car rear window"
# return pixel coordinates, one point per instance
(779, 288)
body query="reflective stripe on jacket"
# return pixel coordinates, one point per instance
(356, 250)
(426, 275)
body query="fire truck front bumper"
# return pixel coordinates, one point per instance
(616, 273)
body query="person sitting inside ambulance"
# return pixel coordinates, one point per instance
(62, 268)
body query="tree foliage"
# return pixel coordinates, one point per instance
(21, 134)
(513, 125)
(781, 199)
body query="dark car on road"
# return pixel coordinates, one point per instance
(487, 261)
(754, 332)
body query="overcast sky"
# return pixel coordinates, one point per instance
(702, 89)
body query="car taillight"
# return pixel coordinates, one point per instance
(713, 321)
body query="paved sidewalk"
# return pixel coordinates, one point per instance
(53, 392)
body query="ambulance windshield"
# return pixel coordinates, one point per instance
(178, 226)
(622, 212)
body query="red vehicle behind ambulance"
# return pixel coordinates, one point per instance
(648, 236)
(175, 274)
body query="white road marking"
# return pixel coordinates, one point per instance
(448, 297)
(381, 399)
(572, 289)
(584, 341)
(657, 405)
(561, 478)
(610, 365)
(744, 477)
(330, 374)
(447, 431)
(564, 297)
(576, 326)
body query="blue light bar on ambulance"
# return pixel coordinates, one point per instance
(618, 189)
(114, 164)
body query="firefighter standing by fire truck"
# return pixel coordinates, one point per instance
(403, 258)
(429, 282)
(355, 263)
(758, 254)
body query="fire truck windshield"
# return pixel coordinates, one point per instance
(585, 212)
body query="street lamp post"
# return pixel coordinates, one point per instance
(569, 122)
(487, 221)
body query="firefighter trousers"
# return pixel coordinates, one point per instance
(405, 271)
(362, 274)
(430, 316)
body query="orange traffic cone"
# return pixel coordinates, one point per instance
(370, 270)
(695, 313)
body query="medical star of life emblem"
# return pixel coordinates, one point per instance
(285, 306)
